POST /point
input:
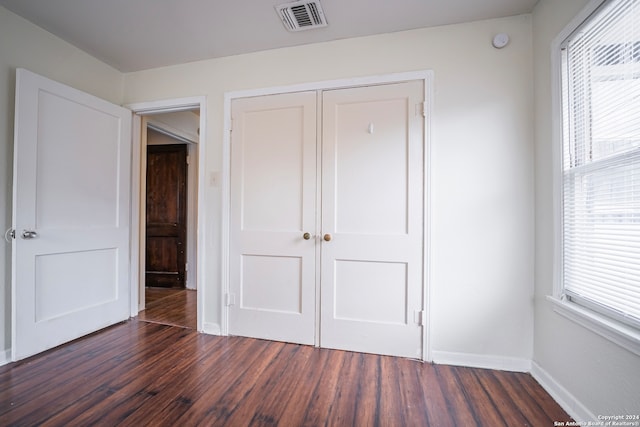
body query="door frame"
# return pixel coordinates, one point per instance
(426, 76)
(140, 110)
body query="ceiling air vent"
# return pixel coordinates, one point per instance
(302, 15)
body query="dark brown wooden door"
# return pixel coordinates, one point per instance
(166, 215)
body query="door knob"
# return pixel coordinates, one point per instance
(327, 237)
(306, 236)
(29, 234)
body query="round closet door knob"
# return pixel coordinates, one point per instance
(327, 237)
(306, 236)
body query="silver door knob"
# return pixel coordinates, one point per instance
(29, 234)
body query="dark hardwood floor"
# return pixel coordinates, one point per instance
(139, 373)
(169, 306)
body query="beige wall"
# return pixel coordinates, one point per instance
(591, 374)
(23, 45)
(482, 166)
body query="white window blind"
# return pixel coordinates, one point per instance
(601, 162)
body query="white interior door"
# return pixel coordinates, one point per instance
(273, 205)
(71, 214)
(372, 204)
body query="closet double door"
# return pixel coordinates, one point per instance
(326, 218)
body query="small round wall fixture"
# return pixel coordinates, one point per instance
(500, 40)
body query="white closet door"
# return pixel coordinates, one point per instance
(372, 212)
(273, 204)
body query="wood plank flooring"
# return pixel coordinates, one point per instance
(169, 306)
(138, 373)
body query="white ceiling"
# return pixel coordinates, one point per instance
(133, 35)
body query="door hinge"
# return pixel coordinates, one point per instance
(230, 299)
(421, 109)
(419, 317)
(10, 234)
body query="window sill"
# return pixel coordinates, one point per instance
(621, 334)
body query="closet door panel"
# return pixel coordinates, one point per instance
(273, 205)
(372, 202)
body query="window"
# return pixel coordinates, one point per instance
(601, 162)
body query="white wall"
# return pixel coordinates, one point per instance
(24, 45)
(482, 158)
(182, 124)
(590, 374)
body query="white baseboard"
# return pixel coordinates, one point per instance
(5, 357)
(500, 363)
(211, 328)
(561, 395)
(565, 399)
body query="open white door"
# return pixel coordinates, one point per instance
(71, 192)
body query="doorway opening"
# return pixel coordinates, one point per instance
(168, 246)
(170, 288)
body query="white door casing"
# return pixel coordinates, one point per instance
(372, 209)
(71, 182)
(273, 200)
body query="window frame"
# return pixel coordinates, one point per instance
(608, 327)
